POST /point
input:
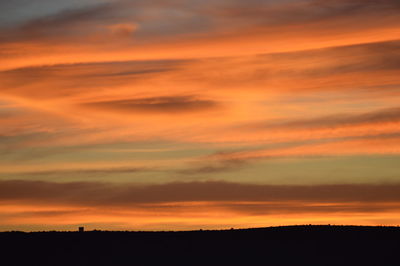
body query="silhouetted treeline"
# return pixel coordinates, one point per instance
(294, 245)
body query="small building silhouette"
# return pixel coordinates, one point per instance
(81, 229)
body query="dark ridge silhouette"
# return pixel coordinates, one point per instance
(289, 245)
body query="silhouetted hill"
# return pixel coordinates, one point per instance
(292, 245)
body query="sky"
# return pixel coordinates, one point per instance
(181, 115)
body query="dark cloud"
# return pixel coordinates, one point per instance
(369, 68)
(214, 167)
(18, 11)
(7, 114)
(76, 79)
(135, 73)
(251, 154)
(59, 25)
(105, 194)
(173, 18)
(18, 139)
(158, 18)
(175, 104)
(339, 120)
(304, 11)
(299, 207)
(42, 214)
(337, 68)
(339, 60)
(87, 70)
(94, 171)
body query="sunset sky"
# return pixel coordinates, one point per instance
(188, 114)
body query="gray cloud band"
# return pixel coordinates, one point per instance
(108, 194)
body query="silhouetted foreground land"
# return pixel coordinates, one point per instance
(293, 245)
